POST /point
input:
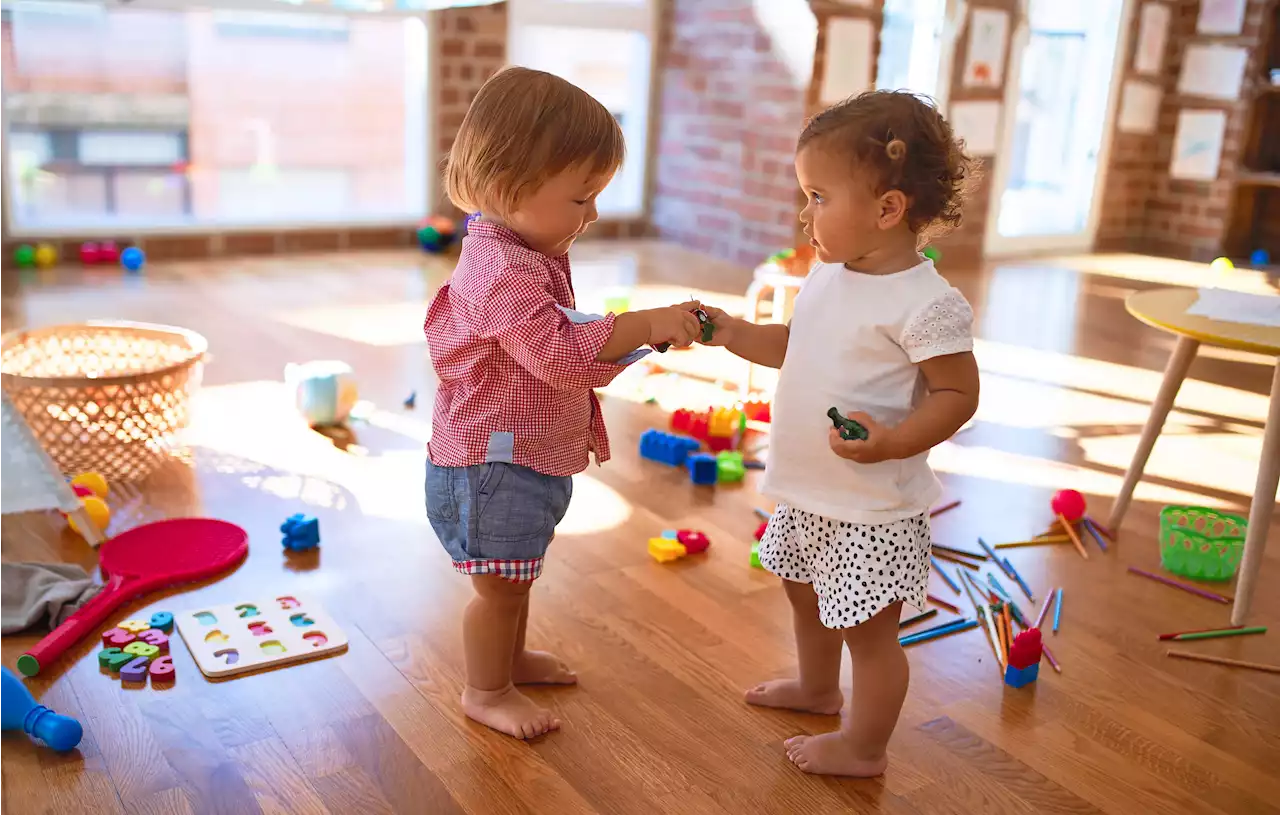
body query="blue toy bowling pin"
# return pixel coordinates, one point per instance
(19, 711)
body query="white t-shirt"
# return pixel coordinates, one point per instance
(855, 341)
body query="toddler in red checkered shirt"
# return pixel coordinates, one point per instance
(516, 415)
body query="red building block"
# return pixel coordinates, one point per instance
(1026, 649)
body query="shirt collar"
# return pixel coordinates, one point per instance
(481, 228)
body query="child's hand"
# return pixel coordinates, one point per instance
(674, 324)
(723, 335)
(879, 445)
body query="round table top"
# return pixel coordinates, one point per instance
(1166, 309)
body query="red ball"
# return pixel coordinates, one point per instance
(108, 252)
(1069, 504)
(90, 253)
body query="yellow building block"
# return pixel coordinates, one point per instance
(664, 549)
(724, 422)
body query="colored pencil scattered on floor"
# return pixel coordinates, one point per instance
(938, 631)
(991, 553)
(980, 611)
(948, 579)
(998, 619)
(995, 584)
(952, 559)
(1049, 656)
(1017, 578)
(924, 615)
(1075, 539)
(1173, 634)
(1107, 532)
(1016, 613)
(962, 552)
(1047, 540)
(1234, 663)
(1227, 632)
(1008, 634)
(1093, 532)
(763, 515)
(1057, 609)
(1044, 609)
(933, 598)
(939, 510)
(1178, 584)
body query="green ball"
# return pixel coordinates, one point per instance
(932, 253)
(25, 256)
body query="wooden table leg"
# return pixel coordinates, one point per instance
(1174, 373)
(1264, 500)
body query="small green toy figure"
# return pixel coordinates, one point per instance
(849, 429)
(708, 329)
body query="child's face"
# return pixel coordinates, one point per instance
(844, 218)
(553, 216)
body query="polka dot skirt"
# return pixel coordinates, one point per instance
(856, 569)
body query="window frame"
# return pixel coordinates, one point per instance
(642, 17)
(15, 230)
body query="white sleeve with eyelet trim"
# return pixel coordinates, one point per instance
(944, 326)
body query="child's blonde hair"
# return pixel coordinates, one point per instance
(523, 128)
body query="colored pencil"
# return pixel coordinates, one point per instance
(1057, 610)
(1198, 631)
(1107, 532)
(764, 515)
(995, 584)
(1008, 634)
(933, 598)
(939, 631)
(981, 612)
(981, 591)
(1017, 615)
(1044, 609)
(1046, 540)
(943, 508)
(924, 615)
(962, 552)
(961, 561)
(1229, 632)
(1177, 584)
(950, 581)
(1022, 584)
(1049, 656)
(1075, 539)
(991, 553)
(999, 621)
(1235, 663)
(1093, 532)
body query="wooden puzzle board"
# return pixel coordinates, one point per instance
(230, 639)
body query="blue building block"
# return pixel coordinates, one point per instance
(702, 468)
(301, 533)
(1019, 677)
(667, 448)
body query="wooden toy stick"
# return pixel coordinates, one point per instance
(1198, 631)
(1177, 584)
(933, 598)
(962, 552)
(1235, 663)
(948, 579)
(1071, 531)
(940, 631)
(1046, 540)
(953, 559)
(1093, 533)
(1044, 609)
(1230, 632)
(939, 510)
(917, 618)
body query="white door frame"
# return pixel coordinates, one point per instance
(997, 245)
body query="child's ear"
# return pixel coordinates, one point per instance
(893, 209)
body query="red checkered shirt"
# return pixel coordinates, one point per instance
(510, 361)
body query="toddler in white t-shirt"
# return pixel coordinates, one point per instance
(878, 334)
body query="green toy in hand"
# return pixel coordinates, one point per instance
(849, 429)
(708, 329)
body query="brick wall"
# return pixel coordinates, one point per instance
(730, 112)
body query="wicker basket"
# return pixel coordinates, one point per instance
(104, 396)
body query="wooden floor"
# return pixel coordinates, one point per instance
(663, 651)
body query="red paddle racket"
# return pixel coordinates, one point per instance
(141, 560)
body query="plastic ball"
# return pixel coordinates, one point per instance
(932, 253)
(108, 252)
(46, 255)
(90, 253)
(96, 484)
(25, 256)
(1069, 504)
(1222, 265)
(1260, 257)
(325, 391)
(99, 514)
(436, 233)
(132, 258)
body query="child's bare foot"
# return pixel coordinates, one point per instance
(786, 693)
(541, 668)
(508, 711)
(832, 754)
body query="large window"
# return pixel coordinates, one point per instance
(911, 46)
(159, 115)
(604, 47)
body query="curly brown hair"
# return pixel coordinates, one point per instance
(903, 139)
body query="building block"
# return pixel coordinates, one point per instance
(301, 532)
(116, 661)
(162, 670)
(134, 627)
(666, 448)
(141, 649)
(755, 556)
(1021, 677)
(730, 467)
(670, 533)
(136, 670)
(117, 638)
(162, 620)
(155, 638)
(757, 411)
(665, 549)
(724, 422)
(693, 540)
(702, 468)
(1026, 649)
(106, 655)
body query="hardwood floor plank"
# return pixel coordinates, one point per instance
(275, 779)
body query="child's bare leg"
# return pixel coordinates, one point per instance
(817, 690)
(536, 667)
(880, 676)
(489, 627)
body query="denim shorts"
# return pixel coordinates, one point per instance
(496, 518)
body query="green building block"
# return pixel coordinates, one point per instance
(729, 467)
(755, 556)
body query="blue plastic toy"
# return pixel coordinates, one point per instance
(132, 258)
(162, 620)
(301, 533)
(1018, 677)
(702, 468)
(1260, 257)
(667, 448)
(20, 711)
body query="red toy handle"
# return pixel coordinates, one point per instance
(74, 628)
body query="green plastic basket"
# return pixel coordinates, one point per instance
(1201, 543)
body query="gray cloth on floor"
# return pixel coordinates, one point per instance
(35, 593)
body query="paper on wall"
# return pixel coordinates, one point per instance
(1221, 17)
(1197, 144)
(1139, 107)
(846, 59)
(1153, 32)
(1214, 71)
(978, 124)
(984, 58)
